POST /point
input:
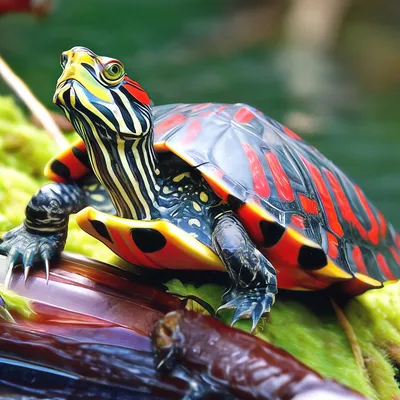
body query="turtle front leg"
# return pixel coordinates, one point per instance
(253, 277)
(43, 234)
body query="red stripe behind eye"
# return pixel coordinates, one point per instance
(260, 182)
(281, 180)
(136, 91)
(326, 199)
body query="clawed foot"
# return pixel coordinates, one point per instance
(23, 247)
(249, 303)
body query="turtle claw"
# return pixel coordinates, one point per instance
(26, 248)
(26, 272)
(248, 303)
(47, 268)
(11, 260)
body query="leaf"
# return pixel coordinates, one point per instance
(14, 302)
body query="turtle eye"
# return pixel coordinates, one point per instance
(63, 60)
(113, 72)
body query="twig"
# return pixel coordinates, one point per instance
(37, 109)
(351, 336)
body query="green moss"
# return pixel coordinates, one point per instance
(24, 152)
(375, 317)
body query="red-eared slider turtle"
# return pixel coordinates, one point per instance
(205, 186)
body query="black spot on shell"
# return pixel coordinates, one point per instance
(101, 229)
(234, 202)
(81, 156)
(60, 169)
(148, 240)
(272, 232)
(311, 258)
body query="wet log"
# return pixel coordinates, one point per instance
(93, 331)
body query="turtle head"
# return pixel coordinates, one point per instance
(94, 91)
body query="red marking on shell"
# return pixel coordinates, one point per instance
(384, 267)
(222, 108)
(333, 250)
(136, 91)
(397, 240)
(309, 206)
(382, 225)
(243, 116)
(291, 133)
(373, 233)
(395, 254)
(260, 182)
(326, 199)
(205, 114)
(359, 260)
(344, 205)
(298, 220)
(281, 180)
(192, 130)
(171, 122)
(201, 106)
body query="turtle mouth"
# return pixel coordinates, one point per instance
(65, 92)
(62, 95)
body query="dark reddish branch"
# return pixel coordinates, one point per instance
(88, 306)
(94, 363)
(249, 367)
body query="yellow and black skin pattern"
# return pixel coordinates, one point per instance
(202, 186)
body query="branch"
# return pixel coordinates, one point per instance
(37, 109)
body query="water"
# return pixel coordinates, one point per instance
(343, 101)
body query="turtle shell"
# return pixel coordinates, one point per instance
(299, 208)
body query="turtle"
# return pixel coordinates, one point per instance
(211, 187)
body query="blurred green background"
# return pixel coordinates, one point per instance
(329, 69)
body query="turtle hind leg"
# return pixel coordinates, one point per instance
(253, 277)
